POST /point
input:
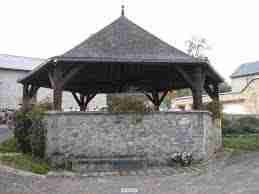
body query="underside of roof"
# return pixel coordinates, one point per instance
(122, 55)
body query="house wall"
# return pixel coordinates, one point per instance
(10, 90)
(154, 136)
(239, 83)
(244, 99)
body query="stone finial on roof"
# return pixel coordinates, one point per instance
(122, 10)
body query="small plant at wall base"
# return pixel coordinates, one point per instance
(184, 158)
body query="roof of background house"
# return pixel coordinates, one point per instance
(246, 69)
(18, 62)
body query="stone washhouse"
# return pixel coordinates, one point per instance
(119, 57)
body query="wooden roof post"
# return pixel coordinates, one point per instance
(216, 91)
(55, 77)
(57, 99)
(155, 96)
(199, 78)
(25, 97)
(29, 95)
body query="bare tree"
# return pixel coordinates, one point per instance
(196, 47)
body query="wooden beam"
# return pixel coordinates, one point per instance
(89, 97)
(76, 98)
(212, 92)
(185, 75)
(155, 99)
(149, 97)
(70, 74)
(33, 91)
(51, 80)
(83, 100)
(162, 97)
(29, 95)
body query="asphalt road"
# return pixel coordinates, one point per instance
(5, 133)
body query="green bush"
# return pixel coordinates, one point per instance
(227, 127)
(22, 125)
(29, 130)
(247, 124)
(127, 104)
(241, 125)
(9, 145)
(37, 132)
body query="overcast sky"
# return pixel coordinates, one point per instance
(48, 28)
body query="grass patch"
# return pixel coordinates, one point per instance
(25, 162)
(9, 146)
(20, 160)
(249, 142)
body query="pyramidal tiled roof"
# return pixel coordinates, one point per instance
(246, 69)
(18, 62)
(124, 40)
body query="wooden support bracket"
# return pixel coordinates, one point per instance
(156, 99)
(83, 100)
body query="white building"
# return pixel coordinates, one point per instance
(13, 68)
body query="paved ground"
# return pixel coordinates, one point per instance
(5, 133)
(235, 175)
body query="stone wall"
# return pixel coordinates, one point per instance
(153, 136)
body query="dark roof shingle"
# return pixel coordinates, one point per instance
(124, 40)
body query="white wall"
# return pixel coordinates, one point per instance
(10, 90)
(68, 101)
(234, 108)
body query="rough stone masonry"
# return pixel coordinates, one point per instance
(153, 136)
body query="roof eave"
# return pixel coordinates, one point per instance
(35, 70)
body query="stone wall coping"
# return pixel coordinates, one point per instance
(126, 113)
